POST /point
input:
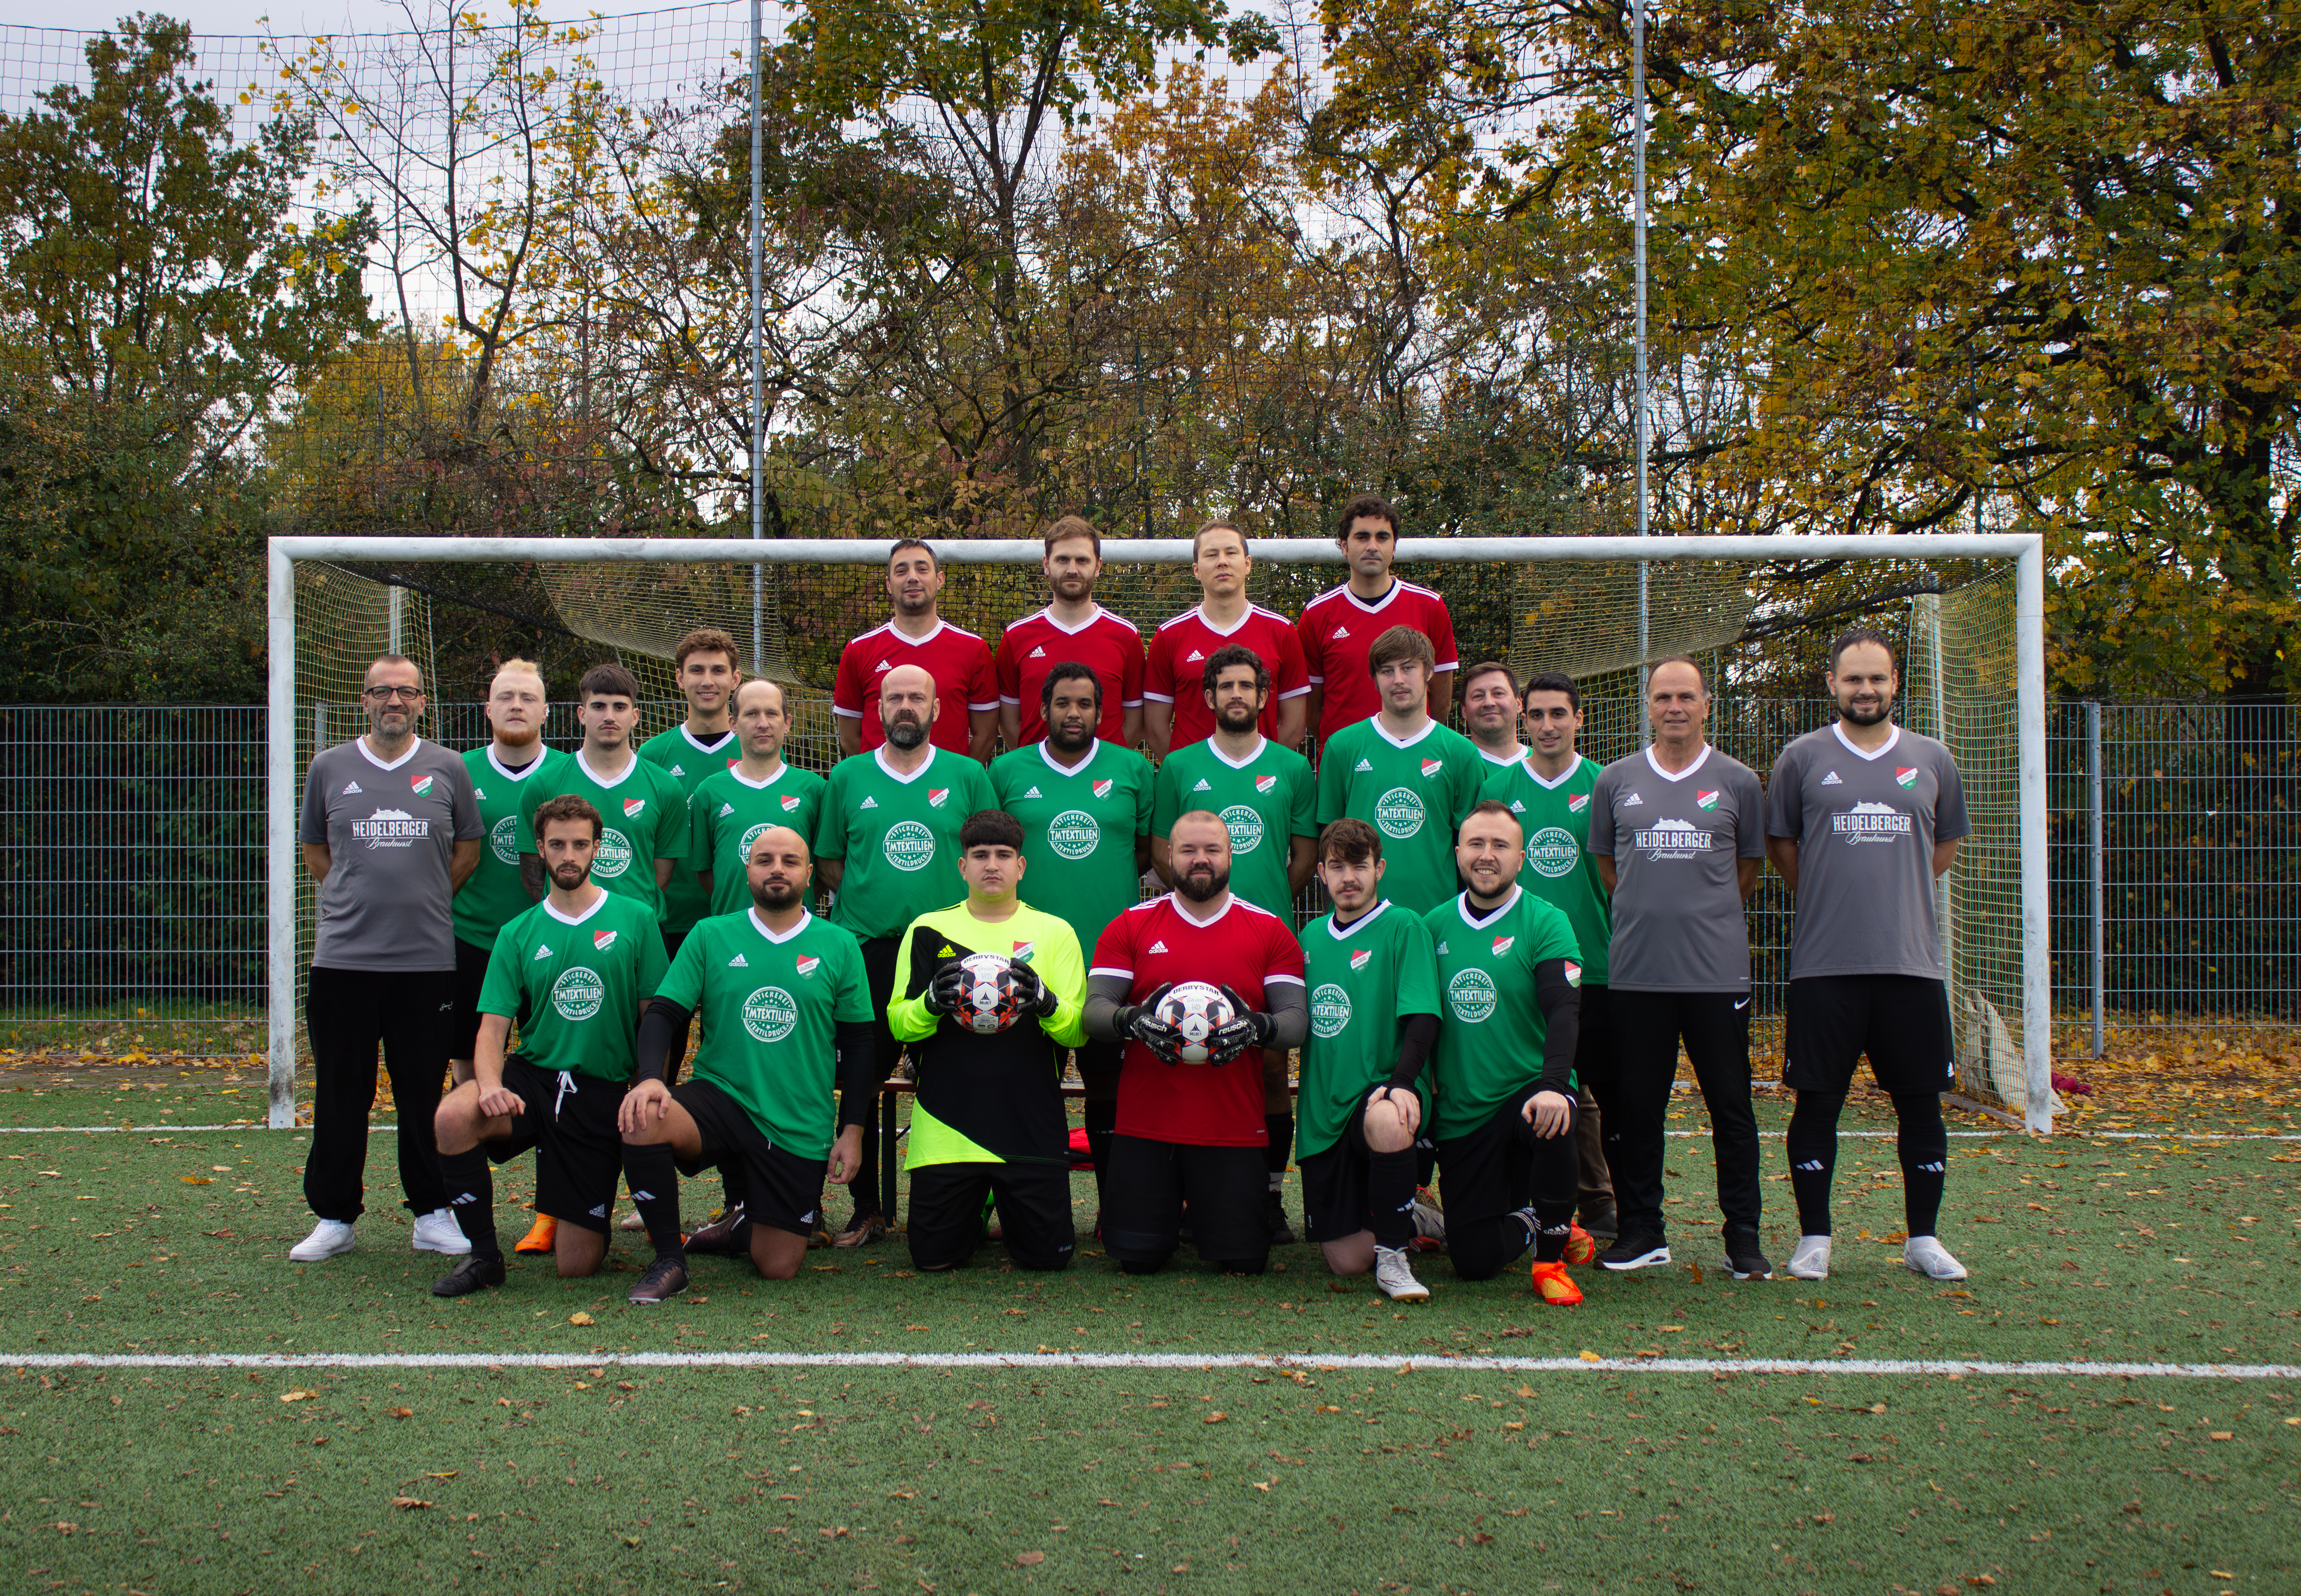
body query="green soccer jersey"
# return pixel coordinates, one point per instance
(1267, 802)
(579, 980)
(1414, 792)
(1490, 1025)
(726, 816)
(1558, 868)
(987, 1099)
(1079, 830)
(493, 897)
(772, 1007)
(689, 760)
(1364, 978)
(897, 837)
(643, 818)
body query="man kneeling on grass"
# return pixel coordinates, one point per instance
(574, 970)
(786, 1009)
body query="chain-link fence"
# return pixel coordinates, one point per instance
(131, 904)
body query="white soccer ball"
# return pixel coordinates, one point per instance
(989, 1005)
(1196, 1009)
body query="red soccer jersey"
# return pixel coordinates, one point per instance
(1338, 627)
(958, 661)
(1037, 644)
(1243, 948)
(1179, 649)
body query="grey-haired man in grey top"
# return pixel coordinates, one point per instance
(391, 830)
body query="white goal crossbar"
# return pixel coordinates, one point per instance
(2025, 549)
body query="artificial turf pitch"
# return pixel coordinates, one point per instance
(1659, 1458)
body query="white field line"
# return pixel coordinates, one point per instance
(492, 1362)
(1771, 1135)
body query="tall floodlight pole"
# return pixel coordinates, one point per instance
(1638, 251)
(758, 371)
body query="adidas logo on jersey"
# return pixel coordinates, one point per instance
(1831, 780)
(1340, 632)
(480, 793)
(726, 810)
(1033, 793)
(542, 951)
(1517, 807)
(1037, 653)
(1634, 802)
(676, 771)
(1160, 946)
(1192, 654)
(1203, 786)
(354, 788)
(738, 963)
(869, 803)
(1360, 766)
(1442, 948)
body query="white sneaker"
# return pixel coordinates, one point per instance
(1810, 1261)
(1396, 1276)
(438, 1232)
(632, 1221)
(1931, 1258)
(329, 1238)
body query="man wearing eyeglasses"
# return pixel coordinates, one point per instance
(390, 829)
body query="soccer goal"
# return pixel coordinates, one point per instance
(1968, 610)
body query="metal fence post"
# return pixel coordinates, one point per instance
(2093, 846)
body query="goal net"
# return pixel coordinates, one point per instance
(1757, 611)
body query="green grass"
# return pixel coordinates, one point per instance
(1440, 1478)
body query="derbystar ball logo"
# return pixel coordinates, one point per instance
(421, 785)
(1502, 945)
(1359, 956)
(807, 964)
(1706, 800)
(1431, 767)
(603, 939)
(1905, 776)
(789, 802)
(936, 795)
(1265, 783)
(1578, 802)
(631, 807)
(1102, 788)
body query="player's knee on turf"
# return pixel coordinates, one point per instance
(1351, 1255)
(578, 1252)
(776, 1254)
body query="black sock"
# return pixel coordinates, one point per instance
(654, 1191)
(1101, 1125)
(1923, 1144)
(1390, 1195)
(1553, 1228)
(471, 1186)
(730, 1186)
(1281, 1127)
(1814, 1156)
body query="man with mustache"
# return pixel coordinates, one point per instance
(786, 1016)
(959, 662)
(575, 971)
(1073, 628)
(887, 843)
(1193, 1133)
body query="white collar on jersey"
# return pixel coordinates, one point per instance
(1537, 777)
(891, 630)
(1215, 749)
(1377, 606)
(1046, 753)
(1462, 903)
(599, 780)
(515, 772)
(782, 765)
(892, 774)
(1341, 933)
(598, 903)
(1882, 748)
(759, 925)
(703, 747)
(1244, 615)
(413, 743)
(1095, 612)
(1699, 761)
(1503, 760)
(1428, 726)
(1228, 903)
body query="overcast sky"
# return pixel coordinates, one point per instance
(241, 16)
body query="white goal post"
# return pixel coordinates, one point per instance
(2024, 550)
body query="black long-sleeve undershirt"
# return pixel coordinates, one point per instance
(1284, 1001)
(1561, 1017)
(1418, 1036)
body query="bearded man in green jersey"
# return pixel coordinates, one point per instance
(1085, 806)
(575, 970)
(989, 1120)
(1373, 1014)
(1502, 1072)
(786, 1018)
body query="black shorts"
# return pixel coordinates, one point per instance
(1098, 1066)
(570, 1122)
(471, 975)
(1034, 1213)
(779, 1189)
(1334, 1203)
(1149, 1181)
(1902, 1022)
(1490, 1171)
(1593, 1043)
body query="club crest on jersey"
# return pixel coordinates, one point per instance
(1573, 974)
(1102, 788)
(1577, 802)
(807, 964)
(1831, 780)
(1022, 952)
(1502, 945)
(1359, 957)
(1265, 783)
(789, 802)
(603, 939)
(935, 797)
(1905, 778)
(351, 789)
(423, 785)
(1706, 800)
(1431, 767)
(631, 807)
